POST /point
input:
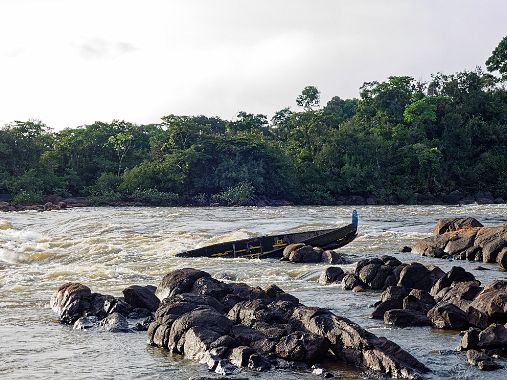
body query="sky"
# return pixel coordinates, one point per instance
(73, 62)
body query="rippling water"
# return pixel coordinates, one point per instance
(109, 249)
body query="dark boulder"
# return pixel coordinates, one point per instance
(178, 281)
(432, 246)
(331, 274)
(482, 361)
(350, 281)
(456, 274)
(493, 336)
(71, 301)
(333, 257)
(448, 316)
(404, 318)
(114, 322)
(470, 339)
(302, 347)
(460, 294)
(277, 294)
(141, 297)
(490, 305)
(290, 248)
(305, 254)
(416, 276)
(391, 298)
(501, 259)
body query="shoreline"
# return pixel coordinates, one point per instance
(79, 202)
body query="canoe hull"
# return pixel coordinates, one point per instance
(272, 246)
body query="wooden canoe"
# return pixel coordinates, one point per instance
(272, 246)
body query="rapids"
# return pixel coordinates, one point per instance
(109, 249)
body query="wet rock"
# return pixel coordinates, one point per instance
(432, 246)
(460, 242)
(144, 325)
(454, 224)
(331, 274)
(141, 297)
(305, 254)
(178, 281)
(240, 355)
(350, 281)
(139, 313)
(448, 316)
(456, 274)
(258, 363)
(290, 248)
(115, 322)
(277, 294)
(333, 257)
(391, 298)
(71, 301)
(375, 275)
(493, 336)
(490, 305)
(501, 259)
(358, 289)
(470, 339)
(406, 249)
(482, 361)
(404, 318)
(302, 347)
(416, 276)
(85, 323)
(460, 294)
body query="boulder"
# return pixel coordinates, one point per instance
(290, 248)
(456, 274)
(501, 259)
(391, 298)
(482, 361)
(490, 305)
(333, 257)
(404, 318)
(305, 254)
(114, 322)
(302, 347)
(350, 281)
(448, 316)
(141, 297)
(460, 294)
(460, 241)
(71, 301)
(416, 276)
(331, 274)
(454, 224)
(493, 336)
(178, 281)
(470, 339)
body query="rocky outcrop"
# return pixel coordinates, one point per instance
(241, 326)
(75, 304)
(465, 239)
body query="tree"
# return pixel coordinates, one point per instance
(309, 98)
(498, 59)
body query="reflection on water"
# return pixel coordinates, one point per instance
(112, 248)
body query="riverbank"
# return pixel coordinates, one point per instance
(54, 202)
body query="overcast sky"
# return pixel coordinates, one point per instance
(70, 63)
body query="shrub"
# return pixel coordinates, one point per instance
(27, 198)
(240, 195)
(155, 197)
(105, 199)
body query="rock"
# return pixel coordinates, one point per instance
(85, 323)
(454, 224)
(258, 363)
(350, 281)
(305, 254)
(456, 274)
(302, 347)
(490, 305)
(482, 361)
(501, 258)
(290, 248)
(448, 316)
(240, 355)
(404, 318)
(432, 246)
(178, 281)
(375, 275)
(460, 241)
(331, 274)
(115, 322)
(460, 294)
(391, 298)
(71, 301)
(141, 297)
(358, 289)
(406, 249)
(332, 257)
(277, 294)
(416, 276)
(470, 339)
(493, 336)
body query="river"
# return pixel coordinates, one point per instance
(109, 249)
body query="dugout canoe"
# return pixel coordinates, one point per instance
(264, 247)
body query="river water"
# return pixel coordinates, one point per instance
(109, 249)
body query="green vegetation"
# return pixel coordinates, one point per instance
(399, 139)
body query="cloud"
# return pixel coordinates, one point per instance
(98, 48)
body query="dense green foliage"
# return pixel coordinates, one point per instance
(400, 138)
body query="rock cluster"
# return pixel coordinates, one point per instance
(424, 296)
(466, 239)
(233, 325)
(75, 304)
(302, 253)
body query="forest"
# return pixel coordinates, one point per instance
(401, 141)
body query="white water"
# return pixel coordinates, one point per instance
(109, 249)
